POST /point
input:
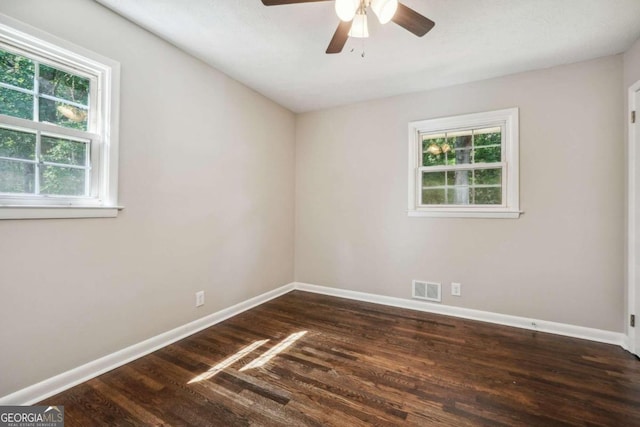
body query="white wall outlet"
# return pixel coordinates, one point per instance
(456, 289)
(199, 298)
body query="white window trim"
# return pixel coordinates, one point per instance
(508, 118)
(105, 203)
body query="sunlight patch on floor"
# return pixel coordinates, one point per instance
(273, 352)
(228, 361)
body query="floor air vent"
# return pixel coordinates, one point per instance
(429, 291)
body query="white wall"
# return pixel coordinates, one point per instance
(206, 176)
(561, 261)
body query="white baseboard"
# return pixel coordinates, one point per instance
(599, 335)
(68, 379)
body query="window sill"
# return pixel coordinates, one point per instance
(452, 213)
(55, 212)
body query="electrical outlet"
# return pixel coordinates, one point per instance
(456, 289)
(199, 298)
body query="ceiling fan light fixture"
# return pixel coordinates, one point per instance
(359, 27)
(353, 18)
(346, 9)
(384, 9)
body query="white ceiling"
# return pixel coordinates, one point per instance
(279, 50)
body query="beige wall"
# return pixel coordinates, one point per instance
(561, 261)
(206, 176)
(632, 65)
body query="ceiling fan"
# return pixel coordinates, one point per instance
(353, 18)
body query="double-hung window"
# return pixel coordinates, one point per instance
(58, 128)
(465, 166)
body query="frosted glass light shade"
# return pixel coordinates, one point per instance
(384, 9)
(359, 26)
(346, 9)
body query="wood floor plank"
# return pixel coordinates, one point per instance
(351, 363)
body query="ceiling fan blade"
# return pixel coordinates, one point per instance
(412, 21)
(279, 2)
(339, 37)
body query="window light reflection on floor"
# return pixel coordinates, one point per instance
(277, 349)
(228, 361)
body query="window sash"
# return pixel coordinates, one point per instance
(41, 57)
(467, 167)
(424, 135)
(91, 166)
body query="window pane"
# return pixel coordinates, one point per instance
(433, 179)
(461, 156)
(18, 145)
(459, 177)
(62, 181)
(16, 177)
(433, 197)
(62, 114)
(458, 195)
(64, 85)
(488, 177)
(488, 136)
(433, 160)
(461, 144)
(58, 150)
(433, 138)
(16, 70)
(487, 155)
(435, 150)
(16, 104)
(488, 196)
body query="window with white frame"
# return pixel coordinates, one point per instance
(465, 166)
(58, 127)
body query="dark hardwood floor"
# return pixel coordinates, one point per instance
(345, 363)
